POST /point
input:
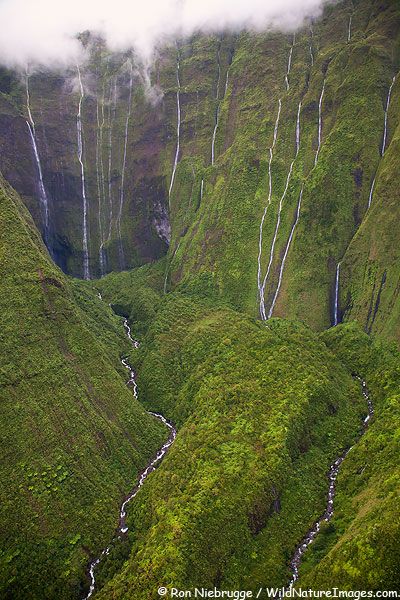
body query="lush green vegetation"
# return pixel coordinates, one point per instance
(359, 548)
(262, 409)
(73, 438)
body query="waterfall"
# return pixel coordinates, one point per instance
(42, 190)
(271, 310)
(217, 109)
(386, 116)
(371, 192)
(289, 65)
(111, 118)
(178, 127)
(121, 198)
(336, 301)
(319, 122)
(86, 271)
(168, 267)
(100, 177)
(278, 222)
(201, 189)
(260, 239)
(298, 129)
(349, 29)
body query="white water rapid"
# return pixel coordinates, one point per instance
(86, 271)
(122, 526)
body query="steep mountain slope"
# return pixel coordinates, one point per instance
(261, 413)
(73, 438)
(242, 125)
(358, 550)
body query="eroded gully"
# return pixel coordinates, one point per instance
(332, 477)
(122, 525)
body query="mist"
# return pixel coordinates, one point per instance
(42, 32)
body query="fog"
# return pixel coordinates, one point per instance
(42, 32)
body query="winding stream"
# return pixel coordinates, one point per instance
(122, 526)
(332, 476)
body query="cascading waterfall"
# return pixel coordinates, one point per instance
(121, 197)
(201, 189)
(217, 118)
(122, 526)
(260, 239)
(289, 65)
(44, 202)
(278, 222)
(278, 287)
(332, 477)
(86, 271)
(178, 127)
(310, 46)
(336, 300)
(298, 129)
(319, 122)
(386, 116)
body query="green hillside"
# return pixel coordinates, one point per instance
(73, 438)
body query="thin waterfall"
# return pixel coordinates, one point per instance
(289, 65)
(86, 271)
(278, 287)
(111, 118)
(386, 116)
(121, 198)
(336, 301)
(349, 29)
(260, 239)
(319, 122)
(178, 127)
(201, 189)
(371, 192)
(217, 109)
(298, 129)
(278, 222)
(100, 176)
(311, 46)
(44, 202)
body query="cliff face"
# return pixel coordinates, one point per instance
(323, 93)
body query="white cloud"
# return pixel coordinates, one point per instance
(44, 31)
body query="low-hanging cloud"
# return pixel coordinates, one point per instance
(42, 32)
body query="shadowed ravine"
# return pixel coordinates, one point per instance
(122, 526)
(332, 477)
